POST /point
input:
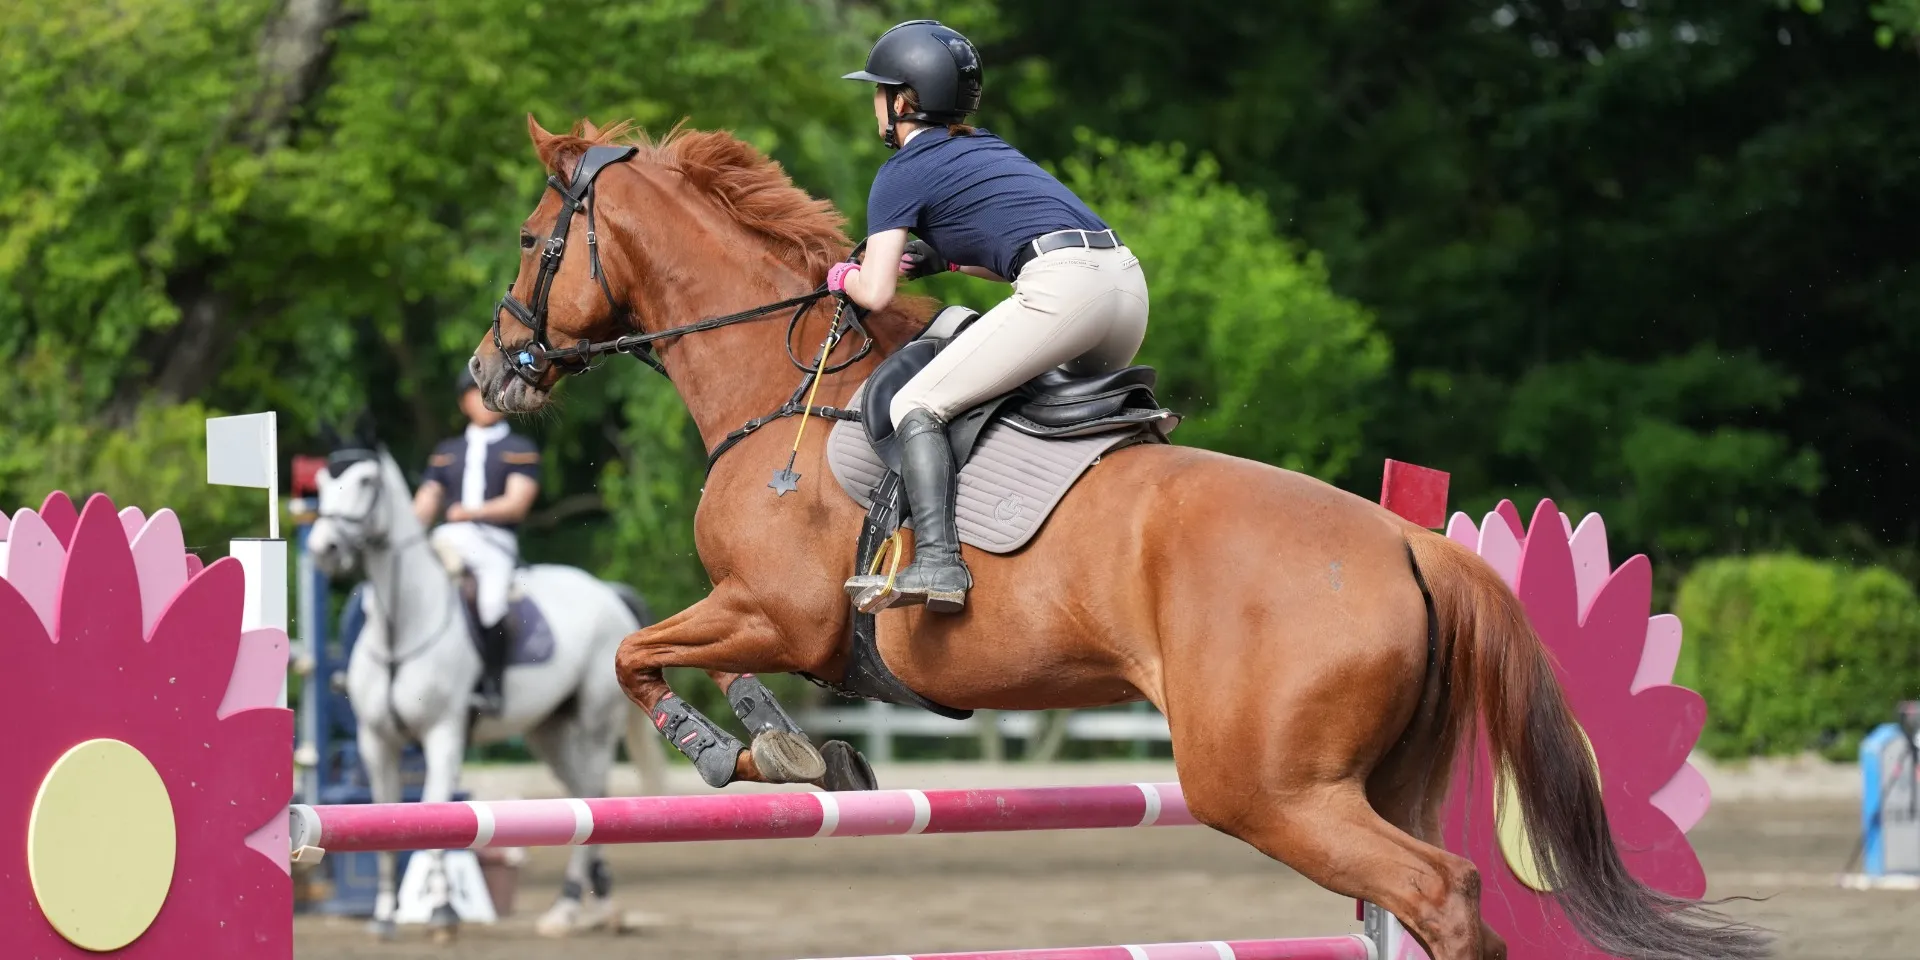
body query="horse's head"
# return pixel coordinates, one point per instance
(562, 297)
(636, 236)
(353, 515)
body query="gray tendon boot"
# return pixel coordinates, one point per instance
(937, 577)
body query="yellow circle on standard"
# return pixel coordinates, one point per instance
(1516, 844)
(100, 845)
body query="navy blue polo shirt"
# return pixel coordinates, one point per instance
(975, 199)
(509, 455)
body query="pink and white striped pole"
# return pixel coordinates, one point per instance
(1312, 948)
(758, 816)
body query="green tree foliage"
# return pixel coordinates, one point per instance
(1650, 257)
(1263, 358)
(1796, 654)
(1526, 191)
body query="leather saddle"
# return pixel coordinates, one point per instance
(528, 638)
(1053, 405)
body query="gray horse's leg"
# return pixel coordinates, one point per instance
(579, 749)
(445, 747)
(382, 762)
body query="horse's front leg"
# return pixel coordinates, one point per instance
(724, 633)
(380, 756)
(760, 710)
(444, 746)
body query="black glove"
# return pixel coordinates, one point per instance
(921, 260)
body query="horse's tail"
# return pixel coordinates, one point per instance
(1503, 675)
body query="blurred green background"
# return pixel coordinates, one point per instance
(1653, 258)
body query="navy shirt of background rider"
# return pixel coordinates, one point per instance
(509, 455)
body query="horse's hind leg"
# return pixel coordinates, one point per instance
(1275, 746)
(579, 747)
(1331, 836)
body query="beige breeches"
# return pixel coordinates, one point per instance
(1077, 308)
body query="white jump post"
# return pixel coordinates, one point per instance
(243, 451)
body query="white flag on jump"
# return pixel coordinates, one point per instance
(243, 451)
(240, 450)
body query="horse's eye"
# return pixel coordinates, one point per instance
(526, 241)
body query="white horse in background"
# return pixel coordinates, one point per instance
(414, 667)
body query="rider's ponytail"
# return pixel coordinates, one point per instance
(913, 106)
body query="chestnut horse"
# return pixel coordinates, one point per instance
(1319, 660)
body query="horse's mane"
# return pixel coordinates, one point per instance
(745, 183)
(748, 185)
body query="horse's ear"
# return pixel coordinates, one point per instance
(586, 130)
(557, 153)
(538, 133)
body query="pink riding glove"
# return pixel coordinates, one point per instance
(837, 276)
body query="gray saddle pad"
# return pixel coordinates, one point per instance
(1007, 488)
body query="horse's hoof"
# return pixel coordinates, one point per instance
(847, 768)
(444, 923)
(784, 757)
(567, 917)
(382, 929)
(559, 919)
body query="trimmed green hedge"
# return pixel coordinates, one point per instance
(1796, 654)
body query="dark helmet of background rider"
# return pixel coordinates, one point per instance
(941, 66)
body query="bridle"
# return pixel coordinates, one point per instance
(365, 535)
(532, 360)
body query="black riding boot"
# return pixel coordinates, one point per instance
(937, 577)
(490, 698)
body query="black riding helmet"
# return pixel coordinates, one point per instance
(941, 66)
(465, 381)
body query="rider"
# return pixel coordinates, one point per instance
(1079, 298)
(494, 473)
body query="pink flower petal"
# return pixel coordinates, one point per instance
(1614, 627)
(1511, 514)
(1461, 530)
(1500, 548)
(1685, 798)
(259, 670)
(57, 510)
(1545, 582)
(1590, 561)
(1651, 738)
(1661, 654)
(34, 558)
(159, 554)
(203, 620)
(132, 519)
(272, 841)
(98, 557)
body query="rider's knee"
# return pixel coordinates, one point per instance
(906, 402)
